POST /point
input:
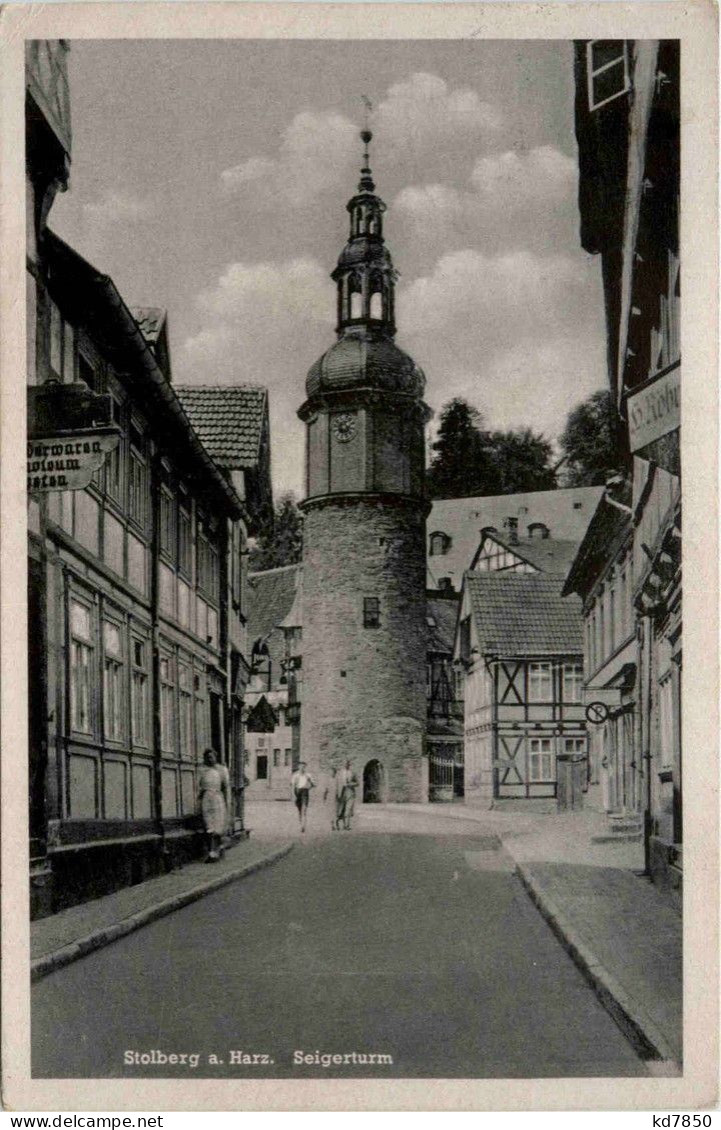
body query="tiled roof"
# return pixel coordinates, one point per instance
(565, 512)
(150, 320)
(441, 616)
(550, 555)
(518, 614)
(229, 420)
(271, 597)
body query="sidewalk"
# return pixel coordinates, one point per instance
(64, 937)
(622, 932)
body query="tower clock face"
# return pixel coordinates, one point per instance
(344, 427)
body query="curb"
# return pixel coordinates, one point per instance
(49, 962)
(648, 1041)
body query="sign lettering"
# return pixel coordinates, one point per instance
(655, 411)
(68, 462)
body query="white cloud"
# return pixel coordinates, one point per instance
(518, 334)
(424, 111)
(319, 151)
(316, 154)
(255, 168)
(116, 207)
(265, 323)
(512, 199)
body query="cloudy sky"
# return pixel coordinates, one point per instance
(211, 178)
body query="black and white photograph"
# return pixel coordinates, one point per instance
(356, 695)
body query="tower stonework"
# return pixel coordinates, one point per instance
(364, 603)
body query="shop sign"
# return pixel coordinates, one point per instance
(68, 462)
(654, 410)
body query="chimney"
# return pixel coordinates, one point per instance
(510, 525)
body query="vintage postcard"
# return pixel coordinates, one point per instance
(359, 578)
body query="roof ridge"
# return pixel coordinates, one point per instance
(275, 569)
(245, 386)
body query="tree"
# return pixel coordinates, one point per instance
(280, 539)
(461, 465)
(523, 461)
(588, 441)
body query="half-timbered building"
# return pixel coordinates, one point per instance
(136, 595)
(520, 645)
(272, 735)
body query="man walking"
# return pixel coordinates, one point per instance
(349, 788)
(301, 783)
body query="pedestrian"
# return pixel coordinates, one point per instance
(351, 784)
(213, 795)
(340, 798)
(330, 799)
(301, 783)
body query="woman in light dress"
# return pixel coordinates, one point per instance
(213, 793)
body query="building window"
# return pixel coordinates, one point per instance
(276, 758)
(185, 710)
(540, 760)
(167, 703)
(114, 461)
(538, 530)
(287, 758)
(137, 488)
(572, 682)
(167, 522)
(185, 542)
(539, 683)
(371, 612)
(574, 745)
(81, 667)
(608, 73)
(440, 543)
(62, 346)
(113, 704)
(139, 691)
(208, 566)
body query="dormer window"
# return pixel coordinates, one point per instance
(538, 530)
(440, 543)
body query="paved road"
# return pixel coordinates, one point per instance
(424, 948)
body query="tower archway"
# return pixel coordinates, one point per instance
(373, 782)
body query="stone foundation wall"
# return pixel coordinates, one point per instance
(364, 688)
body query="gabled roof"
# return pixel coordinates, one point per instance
(151, 320)
(441, 616)
(610, 526)
(550, 555)
(229, 419)
(565, 512)
(524, 614)
(271, 597)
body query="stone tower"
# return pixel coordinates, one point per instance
(364, 617)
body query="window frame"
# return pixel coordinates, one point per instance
(593, 72)
(89, 644)
(531, 680)
(371, 612)
(139, 677)
(114, 665)
(540, 754)
(576, 681)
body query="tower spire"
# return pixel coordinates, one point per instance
(366, 182)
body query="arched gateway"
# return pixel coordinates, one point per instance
(373, 782)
